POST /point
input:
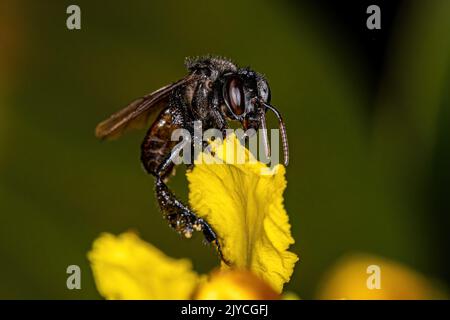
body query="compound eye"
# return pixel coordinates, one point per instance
(234, 95)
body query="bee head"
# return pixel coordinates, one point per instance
(246, 97)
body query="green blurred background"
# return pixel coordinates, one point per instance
(367, 112)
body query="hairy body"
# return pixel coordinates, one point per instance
(215, 91)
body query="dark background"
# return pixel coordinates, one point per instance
(373, 46)
(367, 112)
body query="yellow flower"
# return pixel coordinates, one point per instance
(126, 267)
(235, 284)
(243, 203)
(348, 279)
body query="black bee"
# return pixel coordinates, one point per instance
(215, 91)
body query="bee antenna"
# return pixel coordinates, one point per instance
(262, 117)
(282, 127)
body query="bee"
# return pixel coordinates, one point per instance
(215, 92)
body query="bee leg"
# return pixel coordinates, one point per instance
(210, 236)
(180, 217)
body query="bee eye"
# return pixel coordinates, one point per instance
(234, 95)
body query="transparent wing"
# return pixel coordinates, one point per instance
(136, 114)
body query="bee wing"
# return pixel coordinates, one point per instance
(137, 113)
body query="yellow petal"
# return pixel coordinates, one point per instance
(349, 278)
(235, 285)
(244, 205)
(126, 267)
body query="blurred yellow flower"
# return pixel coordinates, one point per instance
(244, 204)
(235, 285)
(349, 278)
(126, 267)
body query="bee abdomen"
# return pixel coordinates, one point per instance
(157, 143)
